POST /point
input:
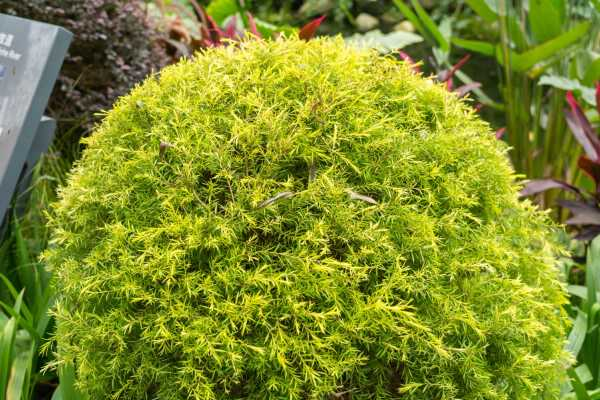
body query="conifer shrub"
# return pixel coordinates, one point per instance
(302, 220)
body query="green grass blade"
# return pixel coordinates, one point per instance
(431, 26)
(18, 383)
(592, 272)
(7, 344)
(412, 17)
(577, 335)
(26, 268)
(6, 353)
(21, 321)
(15, 295)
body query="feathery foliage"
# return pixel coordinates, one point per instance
(294, 220)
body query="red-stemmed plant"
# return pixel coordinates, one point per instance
(181, 42)
(585, 208)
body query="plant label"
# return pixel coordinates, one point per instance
(31, 54)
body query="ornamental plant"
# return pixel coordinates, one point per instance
(292, 220)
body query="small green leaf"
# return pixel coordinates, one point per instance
(221, 9)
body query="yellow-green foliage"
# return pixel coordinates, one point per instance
(317, 223)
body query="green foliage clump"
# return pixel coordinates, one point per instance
(302, 220)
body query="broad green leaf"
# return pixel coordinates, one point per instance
(584, 374)
(221, 9)
(577, 335)
(578, 386)
(477, 46)
(526, 60)
(559, 82)
(578, 291)
(7, 344)
(546, 19)
(592, 72)
(267, 30)
(18, 383)
(382, 42)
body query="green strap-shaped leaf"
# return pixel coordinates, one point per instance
(18, 383)
(13, 312)
(5, 283)
(592, 273)
(477, 46)
(546, 19)
(592, 72)
(7, 344)
(577, 334)
(526, 60)
(412, 17)
(28, 269)
(431, 26)
(578, 386)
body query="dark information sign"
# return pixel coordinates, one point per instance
(31, 54)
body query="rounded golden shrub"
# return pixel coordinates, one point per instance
(302, 220)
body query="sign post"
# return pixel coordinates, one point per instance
(31, 54)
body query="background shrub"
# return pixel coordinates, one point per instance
(302, 220)
(113, 48)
